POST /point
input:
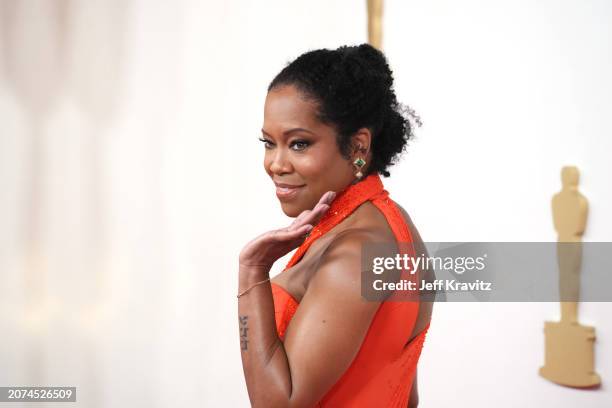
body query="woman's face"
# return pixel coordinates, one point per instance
(301, 152)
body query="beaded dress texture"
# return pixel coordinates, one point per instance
(382, 373)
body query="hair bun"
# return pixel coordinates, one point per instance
(370, 59)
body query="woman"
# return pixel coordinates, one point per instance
(332, 124)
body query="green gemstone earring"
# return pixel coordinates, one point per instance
(359, 162)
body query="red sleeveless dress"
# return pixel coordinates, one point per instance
(383, 370)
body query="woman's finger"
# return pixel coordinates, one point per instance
(298, 222)
(312, 216)
(315, 214)
(328, 197)
(286, 235)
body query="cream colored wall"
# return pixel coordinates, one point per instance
(131, 177)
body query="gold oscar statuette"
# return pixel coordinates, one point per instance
(569, 346)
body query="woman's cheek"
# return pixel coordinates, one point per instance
(311, 165)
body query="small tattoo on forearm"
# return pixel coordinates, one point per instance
(243, 332)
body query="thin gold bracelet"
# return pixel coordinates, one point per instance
(258, 283)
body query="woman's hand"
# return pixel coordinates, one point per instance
(265, 249)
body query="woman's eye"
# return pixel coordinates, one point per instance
(266, 143)
(299, 145)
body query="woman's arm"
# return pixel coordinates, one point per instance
(265, 377)
(322, 339)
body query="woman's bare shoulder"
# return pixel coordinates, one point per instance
(413, 229)
(351, 239)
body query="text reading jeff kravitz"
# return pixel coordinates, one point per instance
(412, 264)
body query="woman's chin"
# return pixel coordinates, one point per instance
(291, 209)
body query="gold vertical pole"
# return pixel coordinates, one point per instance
(375, 14)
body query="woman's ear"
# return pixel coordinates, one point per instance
(362, 142)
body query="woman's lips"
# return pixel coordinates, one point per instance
(287, 193)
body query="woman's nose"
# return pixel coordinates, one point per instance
(280, 163)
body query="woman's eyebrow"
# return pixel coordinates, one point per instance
(287, 132)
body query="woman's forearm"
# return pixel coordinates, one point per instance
(264, 361)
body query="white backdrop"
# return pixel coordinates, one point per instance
(131, 177)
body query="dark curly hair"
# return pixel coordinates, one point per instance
(353, 88)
